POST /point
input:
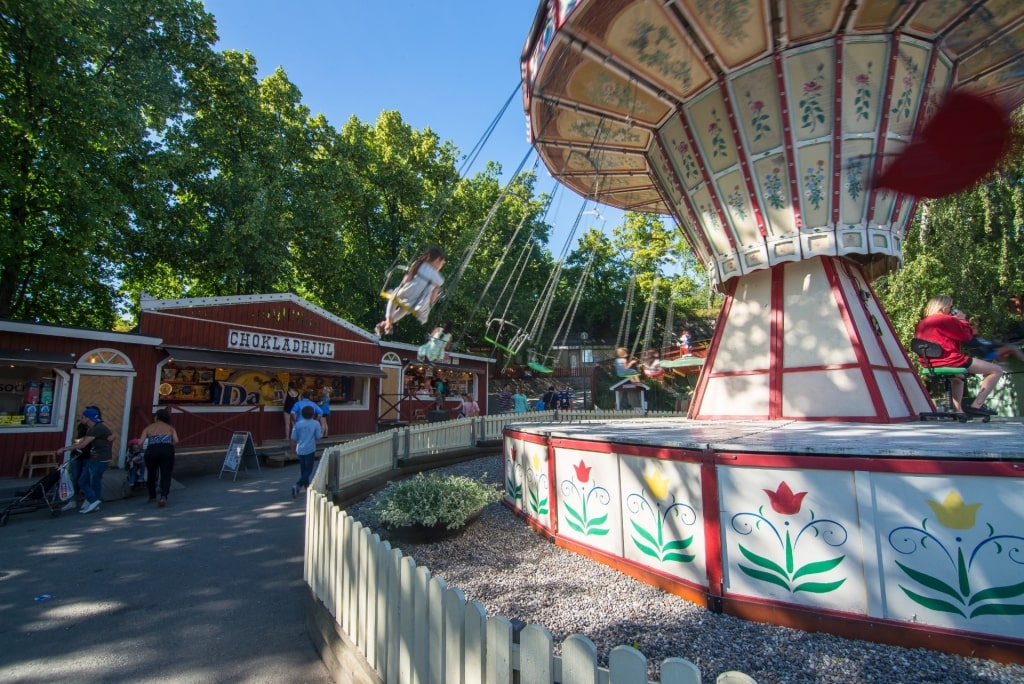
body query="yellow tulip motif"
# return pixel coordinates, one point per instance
(536, 463)
(954, 513)
(657, 484)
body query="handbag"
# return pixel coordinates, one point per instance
(66, 488)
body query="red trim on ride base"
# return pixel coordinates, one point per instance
(923, 465)
(848, 625)
(715, 568)
(552, 494)
(852, 626)
(526, 436)
(670, 584)
(661, 453)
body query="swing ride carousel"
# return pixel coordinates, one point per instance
(791, 142)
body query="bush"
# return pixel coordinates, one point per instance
(432, 500)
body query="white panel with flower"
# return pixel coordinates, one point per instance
(587, 486)
(663, 516)
(792, 536)
(951, 551)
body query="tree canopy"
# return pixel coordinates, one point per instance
(134, 157)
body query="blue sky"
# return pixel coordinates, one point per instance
(447, 65)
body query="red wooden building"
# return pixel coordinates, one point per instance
(220, 365)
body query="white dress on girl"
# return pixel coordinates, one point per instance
(415, 295)
(433, 349)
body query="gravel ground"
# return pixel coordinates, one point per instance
(514, 572)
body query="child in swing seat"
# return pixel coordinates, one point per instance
(652, 367)
(416, 294)
(625, 367)
(434, 349)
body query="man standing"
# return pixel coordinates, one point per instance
(565, 398)
(96, 460)
(303, 437)
(505, 399)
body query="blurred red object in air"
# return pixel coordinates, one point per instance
(963, 141)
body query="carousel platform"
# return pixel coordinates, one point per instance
(907, 533)
(1000, 439)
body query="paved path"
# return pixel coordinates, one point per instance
(208, 589)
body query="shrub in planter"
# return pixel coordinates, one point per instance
(431, 506)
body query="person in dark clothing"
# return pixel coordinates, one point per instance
(96, 462)
(159, 438)
(550, 399)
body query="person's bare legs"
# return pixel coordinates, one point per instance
(287, 425)
(990, 374)
(957, 390)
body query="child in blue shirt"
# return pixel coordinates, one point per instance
(304, 435)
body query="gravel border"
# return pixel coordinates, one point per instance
(513, 571)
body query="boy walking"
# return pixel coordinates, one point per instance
(304, 435)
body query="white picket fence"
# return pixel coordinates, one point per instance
(410, 626)
(358, 460)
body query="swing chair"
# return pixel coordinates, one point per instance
(500, 328)
(535, 365)
(518, 336)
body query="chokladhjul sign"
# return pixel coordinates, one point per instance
(282, 344)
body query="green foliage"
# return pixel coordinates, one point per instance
(970, 247)
(432, 500)
(86, 92)
(135, 158)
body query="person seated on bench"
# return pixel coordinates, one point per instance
(948, 327)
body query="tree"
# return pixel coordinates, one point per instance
(85, 91)
(970, 247)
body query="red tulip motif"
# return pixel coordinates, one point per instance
(582, 472)
(784, 501)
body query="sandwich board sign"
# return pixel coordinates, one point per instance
(240, 448)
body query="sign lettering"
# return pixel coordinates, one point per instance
(281, 344)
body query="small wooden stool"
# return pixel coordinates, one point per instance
(38, 460)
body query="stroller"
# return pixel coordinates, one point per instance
(44, 493)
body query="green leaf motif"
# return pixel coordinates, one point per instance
(930, 582)
(643, 533)
(819, 587)
(678, 544)
(997, 609)
(932, 603)
(598, 521)
(574, 515)
(763, 562)
(681, 557)
(645, 549)
(540, 507)
(818, 567)
(765, 577)
(597, 532)
(997, 593)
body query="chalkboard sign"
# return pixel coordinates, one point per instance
(240, 448)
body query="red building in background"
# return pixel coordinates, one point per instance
(219, 364)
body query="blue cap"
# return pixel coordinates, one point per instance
(91, 414)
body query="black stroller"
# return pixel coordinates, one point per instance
(44, 493)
